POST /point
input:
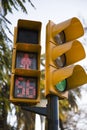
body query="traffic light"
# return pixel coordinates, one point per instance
(62, 51)
(25, 78)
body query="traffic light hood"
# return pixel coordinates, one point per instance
(75, 75)
(36, 25)
(72, 28)
(70, 51)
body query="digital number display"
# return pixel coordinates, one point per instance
(26, 60)
(25, 87)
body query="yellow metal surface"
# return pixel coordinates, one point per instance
(50, 87)
(78, 78)
(36, 25)
(72, 28)
(76, 53)
(29, 48)
(73, 50)
(26, 72)
(33, 25)
(27, 24)
(74, 74)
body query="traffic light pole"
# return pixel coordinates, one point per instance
(52, 112)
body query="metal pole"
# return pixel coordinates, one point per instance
(52, 112)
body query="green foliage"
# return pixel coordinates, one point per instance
(6, 50)
(7, 5)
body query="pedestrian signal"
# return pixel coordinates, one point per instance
(25, 78)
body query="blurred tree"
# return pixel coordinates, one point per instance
(7, 6)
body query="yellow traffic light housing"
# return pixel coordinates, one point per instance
(25, 79)
(62, 51)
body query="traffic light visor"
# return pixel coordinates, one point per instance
(72, 29)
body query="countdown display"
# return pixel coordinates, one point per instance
(25, 87)
(26, 60)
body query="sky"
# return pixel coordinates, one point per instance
(55, 10)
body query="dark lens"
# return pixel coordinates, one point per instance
(60, 61)
(60, 39)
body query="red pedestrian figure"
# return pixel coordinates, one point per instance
(26, 62)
